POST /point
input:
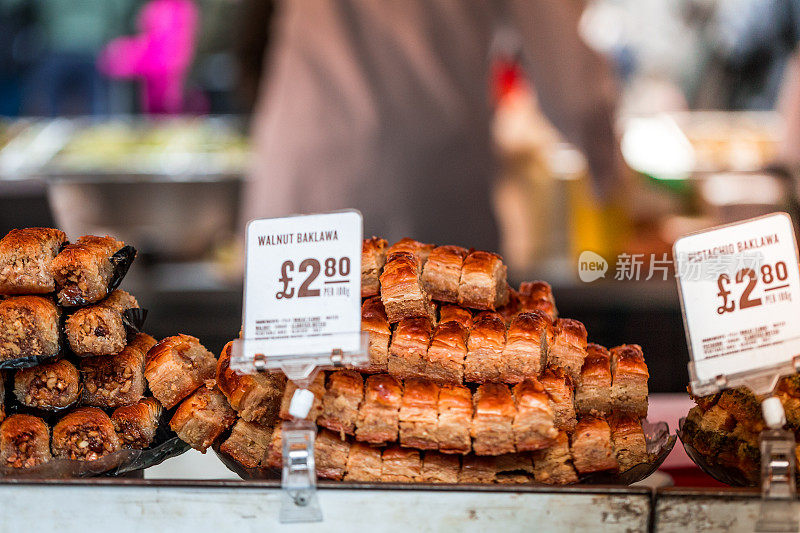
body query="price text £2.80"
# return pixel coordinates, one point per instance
(770, 276)
(336, 270)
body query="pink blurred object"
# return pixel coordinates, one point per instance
(160, 55)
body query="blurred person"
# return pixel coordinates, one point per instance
(385, 107)
(159, 55)
(64, 79)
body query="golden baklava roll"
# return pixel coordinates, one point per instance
(538, 296)
(442, 272)
(24, 441)
(591, 446)
(373, 256)
(525, 351)
(176, 367)
(363, 463)
(256, 397)
(409, 347)
(444, 360)
(439, 468)
(85, 271)
(50, 386)
(85, 434)
(487, 339)
(630, 444)
(629, 382)
(400, 465)
(248, 443)
(375, 322)
(25, 257)
(533, 426)
(100, 329)
(202, 418)
(113, 381)
(568, 349)
(343, 394)
(491, 429)
(136, 424)
(402, 292)
(378, 415)
(553, 465)
(418, 414)
(483, 283)
(29, 327)
(454, 408)
(560, 389)
(593, 393)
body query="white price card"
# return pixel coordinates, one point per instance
(303, 285)
(740, 292)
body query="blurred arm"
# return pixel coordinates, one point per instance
(575, 86)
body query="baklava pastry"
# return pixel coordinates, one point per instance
(568, 350)
(400, 465)
(559, 388)
(442, 273)
(746, 409)
(136, 424)
(446, 353)
(113, 381)
(487, 339)
(176, 367)
(401, 289)
(514, 468)
(533, 424)
(51, 386)
(408, 349)
(591, 446)
(454, 313)
(378, 416)
(525, 351)
(29, 327)
(373, 256)
(375, 322)
(317, 388)
(248, 443)
(418, 415)
(629, 380)
(256, 397)
(86, 271)
(593, 393)
(24, 442)
(274, 457)
(100, 329)
(630, 445)
(483, 283)
(418, 249)
(477, 470)
(454, 409)
(492, 422)
(553, 465)
(538, 296)
(330, 455)
(439, 468)
(343, 394)
(364, 463)
(202, 418)
(25, 257)
(85, 434)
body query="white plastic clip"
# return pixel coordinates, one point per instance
(299, 502)
(778, 506)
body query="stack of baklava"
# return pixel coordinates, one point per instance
(74, 358)
(468, 381)
(723, 430)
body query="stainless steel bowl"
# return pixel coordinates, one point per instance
(171, 217)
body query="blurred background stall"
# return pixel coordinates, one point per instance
(134, 118)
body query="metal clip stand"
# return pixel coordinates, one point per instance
(299, 502)
(778, 505)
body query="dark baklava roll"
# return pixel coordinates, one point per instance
(85, 434)
(84, 271)
(176, 367)
(202, 418)
(113, 381)
(25, 257)
(99, 329)
(136, 424)
(29, 327)
(24, 441)
(50, 386)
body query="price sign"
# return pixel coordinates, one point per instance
(740, 293)
(303, 286)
